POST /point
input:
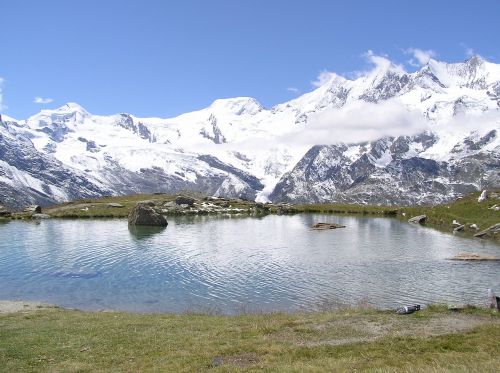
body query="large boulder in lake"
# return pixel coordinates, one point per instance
(147, 216)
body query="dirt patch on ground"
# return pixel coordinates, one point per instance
(9, 306)
(358, 329)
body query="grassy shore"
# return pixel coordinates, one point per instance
(434, 339)
(466, 210)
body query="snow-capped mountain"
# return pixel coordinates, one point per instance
(390, 137)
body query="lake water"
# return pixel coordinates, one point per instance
(231, 265)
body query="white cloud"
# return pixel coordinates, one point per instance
(420, 56)
(41, 100)
(380, 62)
(323, 78)
(357, 122)
(469, 52)
(293, 90)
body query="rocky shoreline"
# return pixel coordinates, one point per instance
(476, 215)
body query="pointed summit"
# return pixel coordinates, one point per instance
(237, 105)
(72, 107)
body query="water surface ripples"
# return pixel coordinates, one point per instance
(234, 264)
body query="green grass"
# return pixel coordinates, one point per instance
(466, 210)
(55, 340)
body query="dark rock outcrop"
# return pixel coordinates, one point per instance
(184, 200)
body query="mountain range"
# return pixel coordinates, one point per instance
(386, 136)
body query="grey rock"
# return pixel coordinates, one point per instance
(147, 203)
(483, 197)
(33, 209)
(494, 229)
(418, 219)
(325, 226)
(184, 200)
(40, 216)
(145, 215)
(115, 205)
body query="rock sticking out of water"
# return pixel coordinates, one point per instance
(325, 226)
(145, 215)
(474, 257)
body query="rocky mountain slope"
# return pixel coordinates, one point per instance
(390, 137)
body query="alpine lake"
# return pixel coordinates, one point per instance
(235, 264)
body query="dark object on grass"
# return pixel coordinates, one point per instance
(494, 300)
(408, 309)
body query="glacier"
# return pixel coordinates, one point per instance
(387, 136)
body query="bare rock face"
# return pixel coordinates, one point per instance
(146, 215)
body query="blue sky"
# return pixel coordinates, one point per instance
(163, 58)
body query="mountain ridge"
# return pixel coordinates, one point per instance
(237, 148)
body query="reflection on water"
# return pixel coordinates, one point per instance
(142, 232)
(232, 264)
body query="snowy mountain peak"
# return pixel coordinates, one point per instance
(237, 105)
(237, 148)
(71, 107)
(475, 73)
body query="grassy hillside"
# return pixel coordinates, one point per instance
(434, 339)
